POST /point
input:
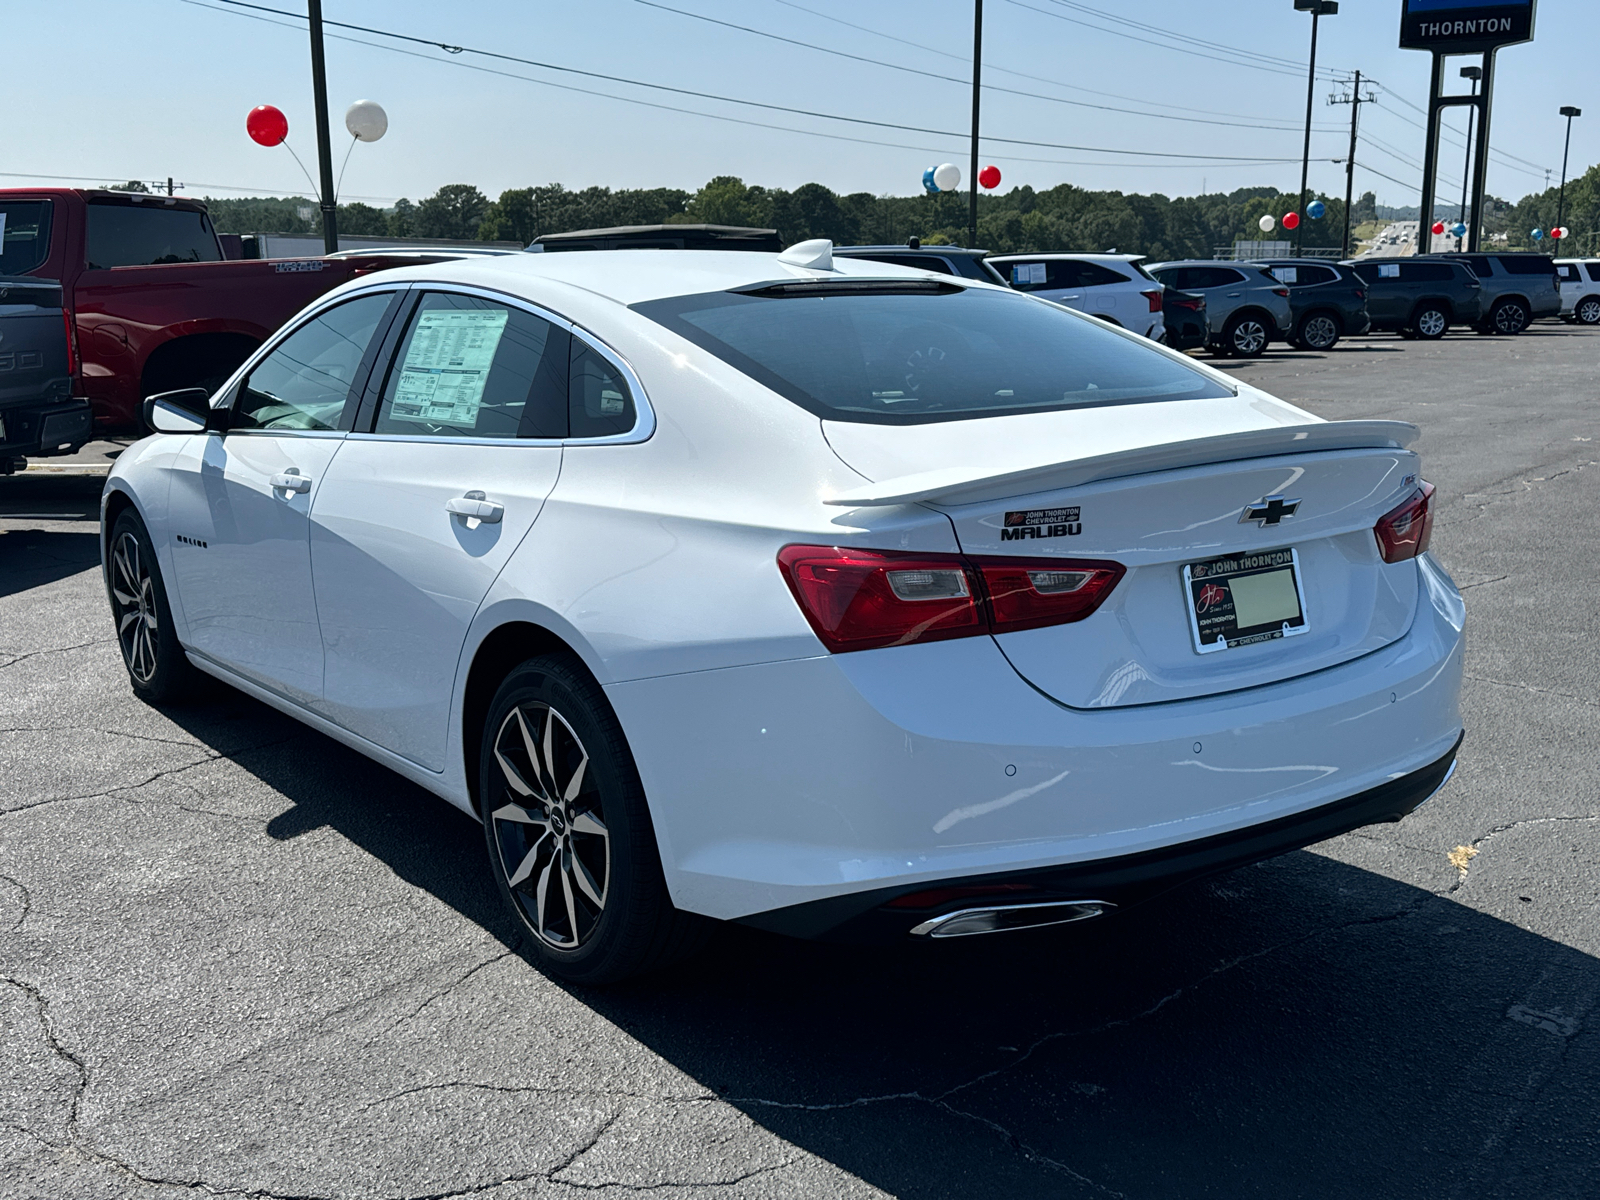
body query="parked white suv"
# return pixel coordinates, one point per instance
(1113, 287)
(1580, 289)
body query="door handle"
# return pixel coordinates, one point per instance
(291, 481)
(475, 504)
(1234, 295)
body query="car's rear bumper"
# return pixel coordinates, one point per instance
(890, 913)
(31, 430)
(782, 784)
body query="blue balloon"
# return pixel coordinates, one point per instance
(1536, 234)
(1459, 229)
(928, 184)
(1315, 210)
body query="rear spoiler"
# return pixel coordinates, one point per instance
(961, 485)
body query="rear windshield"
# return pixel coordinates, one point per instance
(1527, 264)
(24, 235)
(134, 235)
(940, 353)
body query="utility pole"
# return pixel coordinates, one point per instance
(1568, 112)
(1474, 74)
(1355, 100)
(1318, 9)
(972, 177)
(319, 88)
(169, 185)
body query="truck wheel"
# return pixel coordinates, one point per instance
(569, 836)
(1510, 316)
(1587, 311)
(158, 669)
(1430, 322)
(1318, 331)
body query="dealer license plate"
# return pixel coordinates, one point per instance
(1243, 599)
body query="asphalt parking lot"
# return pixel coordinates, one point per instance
(239, 959)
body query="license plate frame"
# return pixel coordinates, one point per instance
(1213, 619)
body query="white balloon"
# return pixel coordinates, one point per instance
(1266, 223)
(366, 120)
(947, 177)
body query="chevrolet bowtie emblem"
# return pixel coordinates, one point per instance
(1269, 511)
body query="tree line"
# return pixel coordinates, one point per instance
(1023, 219)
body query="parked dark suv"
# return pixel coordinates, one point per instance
(1328, 301)
(947, 260)
(1517, 288)
(1419, 297)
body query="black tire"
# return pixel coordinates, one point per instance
(1587, 311)
(1317, 331)
(1246, 336)
(580, 872)
(1510, 316)
(1430, 322)
(158, 669)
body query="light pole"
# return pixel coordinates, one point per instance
(1568, 112)
(1474, 74)
(977, 70)
(1317, 9)
(319, 90)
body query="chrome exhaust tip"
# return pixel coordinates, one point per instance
(968, 922)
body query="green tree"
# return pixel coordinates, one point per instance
(454, 211)
(402, 218)
(726, 200)
(362, 220)
(133, 185)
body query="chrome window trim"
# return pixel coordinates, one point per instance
(644, 422)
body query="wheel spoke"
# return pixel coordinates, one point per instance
(585, 882)
(542, 892)
(586, 822)
(572, 906)
(548, 764)
(121, 561)
(525, 867)
(546, 790)
(149, 651)
(576, 784)
(513, 777)
(520, 815)
(128, 618)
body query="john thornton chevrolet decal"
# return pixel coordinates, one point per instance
(1041, 523)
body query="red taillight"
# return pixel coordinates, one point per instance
(1154, 296)
(865, 599)
(1027, 593)
(1360, 295)
(72, 356)
(1404, 532)
(1280, 292)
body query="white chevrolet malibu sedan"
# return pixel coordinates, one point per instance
(832, 597)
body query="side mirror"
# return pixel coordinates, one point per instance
(187, 410)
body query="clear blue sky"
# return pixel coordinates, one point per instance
(162, 87)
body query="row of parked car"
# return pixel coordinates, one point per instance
(1238, 309)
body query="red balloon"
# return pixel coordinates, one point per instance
(1438, 226)
(1555, 233)
(266, 125)
(1291, 220)
(989, 177)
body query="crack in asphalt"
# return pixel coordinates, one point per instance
(27, 902)
(42, 1007)
(140, 737)
(448, 988)
(532, 1090)
(1473, 845)
(1467, 587)
(11, 662)
(1528, 687)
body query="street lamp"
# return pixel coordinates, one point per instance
(1568, 112)
(1317, 9)
(1474, 74)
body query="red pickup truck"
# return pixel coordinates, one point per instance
(152, 304)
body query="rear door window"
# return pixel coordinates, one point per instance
(1569, 273)
(1479, 265)
(137, 235)
(1303, 275)
(1594, 271)
(24, 235)
(1420, 272)
(305, 382)
(473, 367)
(1093, 274)
(1215, 277)
(913, 355)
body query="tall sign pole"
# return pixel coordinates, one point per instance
(1317, 9)
(1474, 74)
(1568, 112)
(972, 173)
(1445, 27)
(319, 88)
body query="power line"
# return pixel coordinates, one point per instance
(451, 48)
(1424, 112)
(1459, 140)
(1273, 59)
(988, 87)
(993, 67)
(221, 187)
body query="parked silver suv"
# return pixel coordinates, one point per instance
(1247, 308)
(1518, 289)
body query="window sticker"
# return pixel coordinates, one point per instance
(1027, 273)
(1388, 270)
(447, 366)
(1286, 274)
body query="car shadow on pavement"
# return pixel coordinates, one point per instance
(1298, 1028)
(31, 558)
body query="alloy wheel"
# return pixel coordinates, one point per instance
(549, 827)
(1510, 318)
(1319, 332)
(134, 592)
(1589, 311)
(1249, 337)
(1431, 323)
